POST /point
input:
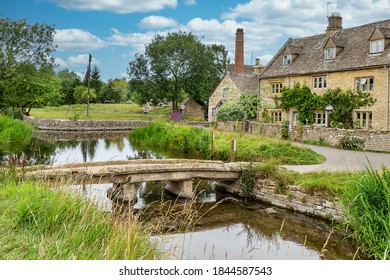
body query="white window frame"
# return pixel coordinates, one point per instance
(287, 59)
(319, 118)
(364, 84)
(320, 82)
(276, 116)
(377, 46)
(330, 53)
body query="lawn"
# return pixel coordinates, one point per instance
(100, 112)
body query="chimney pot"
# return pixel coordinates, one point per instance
(257, 61)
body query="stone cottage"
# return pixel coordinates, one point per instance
(353, 58)
(192, 108)
(238, 79)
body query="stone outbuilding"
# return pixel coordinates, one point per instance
(193, 108)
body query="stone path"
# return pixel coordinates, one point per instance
(343, 160)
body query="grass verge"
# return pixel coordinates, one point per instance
(42, 223)
(14, 131)
(196, 142)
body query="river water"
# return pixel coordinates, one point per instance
(225, 228)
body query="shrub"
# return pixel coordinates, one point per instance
(351, 143)
(12, 131)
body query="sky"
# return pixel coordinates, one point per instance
(113, 31)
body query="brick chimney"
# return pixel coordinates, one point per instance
(239, 54)
(335, 24)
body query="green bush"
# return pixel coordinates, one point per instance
(352, 143)
(14, 130)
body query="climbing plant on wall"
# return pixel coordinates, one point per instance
(301, 98)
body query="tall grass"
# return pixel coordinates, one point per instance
(196, 142)
(38, 222)
(367, 204)
(12, 130)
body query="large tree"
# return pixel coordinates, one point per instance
(96, 82)
(176, 65)
(69, 81)
(23, 47)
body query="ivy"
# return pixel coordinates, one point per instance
(301, 98)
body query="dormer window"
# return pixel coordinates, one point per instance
(376, 46)
(287, 59)
(330, 53)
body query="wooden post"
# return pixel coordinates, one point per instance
(89, 83)
(232, 149)
(212, 146)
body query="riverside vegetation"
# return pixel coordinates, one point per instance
(364, 195)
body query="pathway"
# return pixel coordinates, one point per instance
(343, 160)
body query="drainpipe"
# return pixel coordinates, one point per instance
(388, 98)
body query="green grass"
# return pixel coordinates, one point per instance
(14, 131)
(100, 112)
(196, 142)
(42, 223)
(367, 204)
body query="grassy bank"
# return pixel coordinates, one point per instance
(14, 131)
(367, 204)
(41, 223)
(196, 142)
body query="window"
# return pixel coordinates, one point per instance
(330, 53)
(276, 116)
(287, 59)
(319, 118)
(365, 83)
(214, 112)
(363, 120)
(276, 87)
(319, 82)
(226, 92)
(376, 46)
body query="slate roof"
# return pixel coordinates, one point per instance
(354, 54)
(243, 82)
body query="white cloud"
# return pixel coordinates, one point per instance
(157, 22)
(135, 40)
(60, 62)
(77, 39)
(190, 2)
(116, 6)
(81, 59)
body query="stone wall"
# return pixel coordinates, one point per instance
(70, 125)
(375, 140)
(308, 201)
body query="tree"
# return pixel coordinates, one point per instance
(176, 65)
(30, 87)
(116, 90)
(81, 94)
(344, 102)
(239, 109)
(96, 82)
(22, 48)
(69, 80)
(302, 99)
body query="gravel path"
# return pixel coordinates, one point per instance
(343, 160)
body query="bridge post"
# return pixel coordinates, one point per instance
(181, 189)
(122, 191)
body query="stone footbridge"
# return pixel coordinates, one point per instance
(124, 174)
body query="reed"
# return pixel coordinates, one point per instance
(367, 205)
(44, 223)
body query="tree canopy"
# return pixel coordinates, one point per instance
(26, 64)
(176, 65)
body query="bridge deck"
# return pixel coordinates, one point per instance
(134, 171)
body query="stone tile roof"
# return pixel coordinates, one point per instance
(245, 82)
(354, 54)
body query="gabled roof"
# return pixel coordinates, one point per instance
(355, 53)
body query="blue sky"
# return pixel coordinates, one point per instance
(114, 30)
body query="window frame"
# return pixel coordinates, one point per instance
(226, 92)
(287, 59)
(330, 53)
(363, 119)
(276, 87)
(275, 116)
(319, 118)
(320, 82)
(377, 46)
(367, 85)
